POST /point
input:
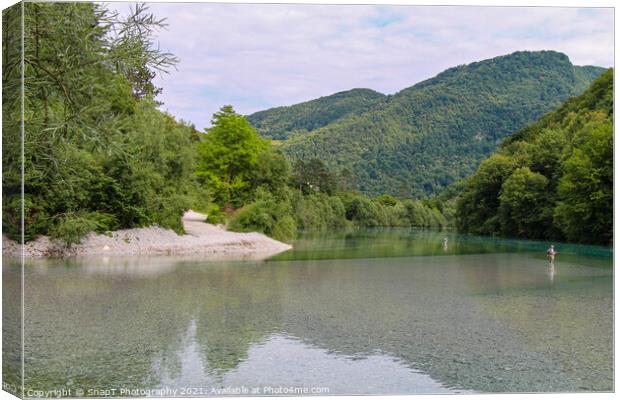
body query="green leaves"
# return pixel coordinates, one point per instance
(98, 154)
(266, 214)
(585, 209)
(524, 209)
(478, 203)
(313, 176)
(228, 156)
(72, 227)
(553, 179)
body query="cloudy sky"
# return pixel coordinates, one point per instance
(256, 56)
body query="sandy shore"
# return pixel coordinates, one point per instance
(200, 239)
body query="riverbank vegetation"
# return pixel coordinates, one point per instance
(256, 188)
(100, 156)
(553, 179)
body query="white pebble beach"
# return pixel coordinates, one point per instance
(200, 239)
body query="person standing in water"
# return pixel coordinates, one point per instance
(551, 254)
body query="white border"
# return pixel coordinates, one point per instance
(507, 3)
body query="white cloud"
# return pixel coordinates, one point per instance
(256, 56)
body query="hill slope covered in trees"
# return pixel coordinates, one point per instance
(553, 179)
(421, 139)
(281, 122)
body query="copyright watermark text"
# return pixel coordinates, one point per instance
(180, 392)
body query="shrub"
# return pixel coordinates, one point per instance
(72, 227)
(319, 211)
(266, 215)
(363, 211)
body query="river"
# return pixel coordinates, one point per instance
(385, 311)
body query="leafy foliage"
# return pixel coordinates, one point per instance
(273, 198)
(585, 209)
(421, 139)
(318, 211)
(553, 179)
(272, 172)
(266, 215)
(523, 208)
(98, 154)
(229, 154)
(313, 175)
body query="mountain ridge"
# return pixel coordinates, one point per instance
(419, 140)
(313, 114)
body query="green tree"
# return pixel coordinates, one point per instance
(272, 172)
(228, 156)
(479, 202)
(318, 211)
(585, 211)
(524, 209)
(416, 142)
(557, 176)
(313, 176)
(387, 200)
(267, 215)
(93, 158)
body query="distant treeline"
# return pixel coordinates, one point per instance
(282, 122)
(256, 188)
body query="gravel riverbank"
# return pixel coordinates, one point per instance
(200, 239)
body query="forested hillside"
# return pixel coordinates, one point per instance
(420, 140)
(553, 179)
(281, 122)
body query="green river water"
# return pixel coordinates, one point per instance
(363, 312)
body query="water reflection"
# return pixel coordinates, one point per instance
(477, 322)
(399, 242)
(551, 271)
(306, 367)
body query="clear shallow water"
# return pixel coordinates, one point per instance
(373, 312)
